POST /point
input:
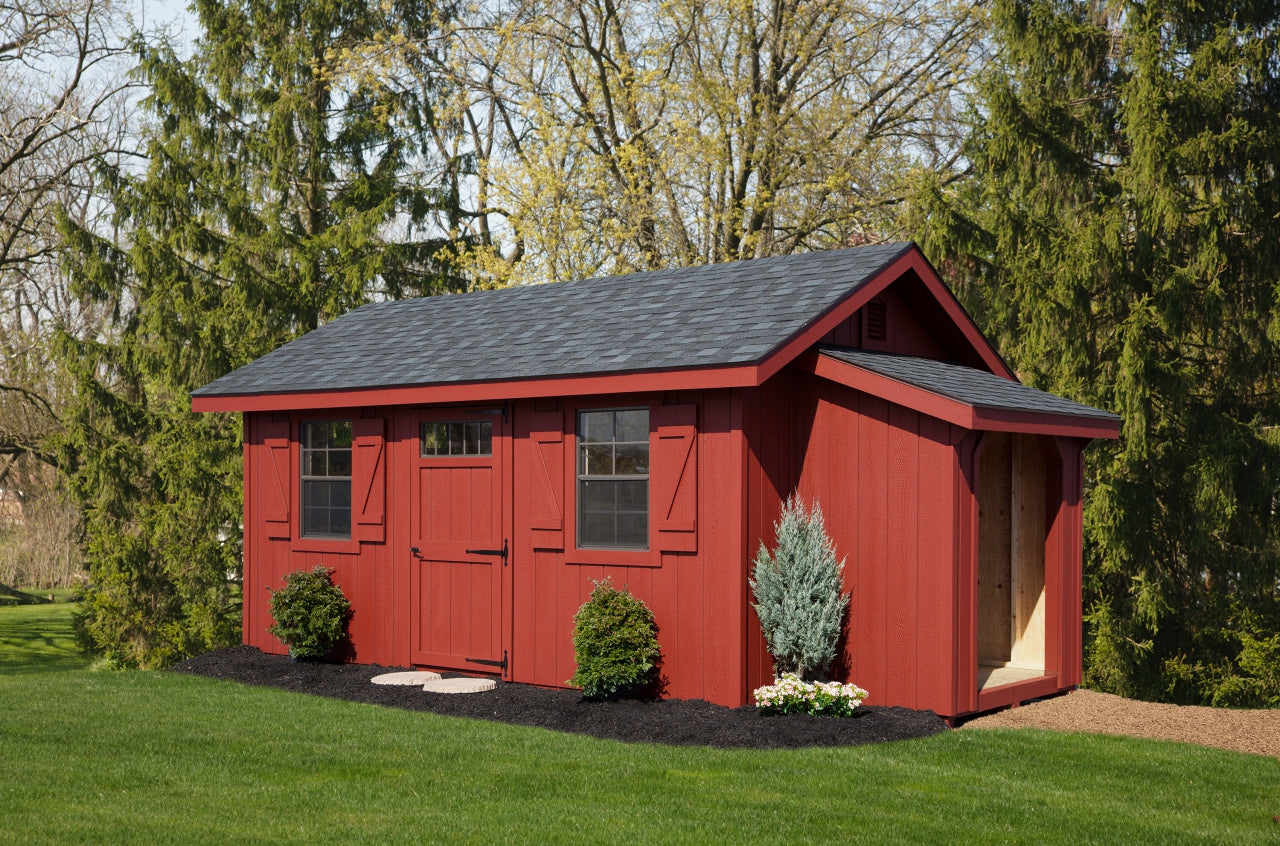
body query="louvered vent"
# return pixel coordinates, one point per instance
(877, 321)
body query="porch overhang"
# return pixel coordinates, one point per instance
(963, 396)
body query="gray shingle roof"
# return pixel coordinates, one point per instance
(972, 387)
(723, 314)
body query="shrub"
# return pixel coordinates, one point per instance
(790, 695)
(797, 590)
(310, 613)
(615, 643)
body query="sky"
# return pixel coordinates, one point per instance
(173, 15)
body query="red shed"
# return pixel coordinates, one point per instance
(468, 464)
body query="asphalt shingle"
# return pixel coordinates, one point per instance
(723, 314)
(964, 384)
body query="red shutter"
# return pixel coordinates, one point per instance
(546, 479)
(272, 476)
(673, 475)
(369, 479)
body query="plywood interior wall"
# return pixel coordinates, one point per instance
(995, 484)
(1011, 543)
(1027, 514)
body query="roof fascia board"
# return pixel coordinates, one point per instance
(954, 411)
(910, 260)
(611, 383)
(959, 316)
(1044, 423)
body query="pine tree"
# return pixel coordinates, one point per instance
(276, 195)
(1119, 237)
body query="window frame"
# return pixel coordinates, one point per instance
(580, 476)
(301, 534)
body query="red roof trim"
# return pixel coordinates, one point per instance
(912, 260)
(954, 411)
(605, 383)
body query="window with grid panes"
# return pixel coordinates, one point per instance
(457, 437)
(325, 459)
(613, 479)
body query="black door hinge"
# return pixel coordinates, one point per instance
(501, 552)
(489, 662)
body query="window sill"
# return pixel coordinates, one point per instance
(333, 545)
(613, 558)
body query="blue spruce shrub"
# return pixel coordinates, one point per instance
(797, 590)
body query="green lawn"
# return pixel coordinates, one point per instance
(38, 639)
(165, 758)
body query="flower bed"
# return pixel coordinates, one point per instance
(790, 695)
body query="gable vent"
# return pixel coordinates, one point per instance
(877, 320)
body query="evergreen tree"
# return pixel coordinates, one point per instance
(798, 593)
(276, 195)
(1119, 237)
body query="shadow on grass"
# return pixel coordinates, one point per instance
(38, 639)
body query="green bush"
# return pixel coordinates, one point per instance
(797, 590)
(310, 613)
(615, 643)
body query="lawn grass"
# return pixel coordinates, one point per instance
(38, 639)
(162, 757)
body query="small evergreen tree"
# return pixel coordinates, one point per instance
(615, 642)
(797, 590)
(310, 613)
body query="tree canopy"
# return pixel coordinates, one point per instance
(276, 194)
(1119, 238)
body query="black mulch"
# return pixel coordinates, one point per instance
(678, 722)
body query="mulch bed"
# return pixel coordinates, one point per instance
(677, 722)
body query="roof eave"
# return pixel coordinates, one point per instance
(683, 379)
(956, 412)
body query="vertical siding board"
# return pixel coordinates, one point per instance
(872, 599)
(757, 659)
(663, 590)
(723, 562)
(936, 574)
(900, 578)
(691, 627)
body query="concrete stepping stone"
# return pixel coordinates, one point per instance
(459, 685)
(411, 677)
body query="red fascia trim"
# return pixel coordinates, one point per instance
(954, 411)
(959, 316)
(1043, 423)
(911, 261)
(471, 392)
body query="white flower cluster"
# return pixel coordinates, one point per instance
(790, 695)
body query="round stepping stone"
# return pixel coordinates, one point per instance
(459, 685)
(411, 677)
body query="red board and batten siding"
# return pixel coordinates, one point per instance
(691, 577)
(362, 566)
(886, 478)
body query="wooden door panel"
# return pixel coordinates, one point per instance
(457, 568)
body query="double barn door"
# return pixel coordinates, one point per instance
(458, 545)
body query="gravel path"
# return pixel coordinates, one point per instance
(1255, 732)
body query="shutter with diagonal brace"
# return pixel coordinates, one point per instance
(369, 480)
(273, 485)
(546, 480)
(674, 478)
